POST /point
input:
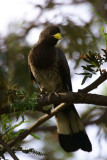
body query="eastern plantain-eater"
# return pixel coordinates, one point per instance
(49, 68)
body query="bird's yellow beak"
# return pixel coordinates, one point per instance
(57, 36)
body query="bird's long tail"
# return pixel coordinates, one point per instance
(71, 133)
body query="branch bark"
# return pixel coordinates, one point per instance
(68, 97)
(73, 97)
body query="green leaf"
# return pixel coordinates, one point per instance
(105, 34)
(102, 30)
(86, 73)
(88, 68)
(99, 16)
(32, 134)
(84, 79)
(31, 151)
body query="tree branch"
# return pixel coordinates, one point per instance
(8, 149)
(41, 102)
(73, 97)
(39, 122)
(95, 84)
(68, 97)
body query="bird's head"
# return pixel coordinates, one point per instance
(50, 35)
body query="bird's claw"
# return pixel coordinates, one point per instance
(57, 94)
(53, 93)
(41, 94)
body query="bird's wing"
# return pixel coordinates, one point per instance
(31, 75)
(64, 70)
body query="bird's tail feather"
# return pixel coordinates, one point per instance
(71, 132)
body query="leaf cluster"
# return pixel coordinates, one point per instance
(18, 101)
(8, 133)
(94, 62)
(24, 102)
(7, 128)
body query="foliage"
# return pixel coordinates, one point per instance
(104, 33)
(8, 133)
(29, 151)
(7, 129)
(17, 99)
(20, 102)
(24, 102)
(95, 62)
(99, 15)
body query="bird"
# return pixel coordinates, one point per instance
(50, 70)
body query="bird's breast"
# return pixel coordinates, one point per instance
(49, 79)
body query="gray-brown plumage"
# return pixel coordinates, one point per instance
(49, 68)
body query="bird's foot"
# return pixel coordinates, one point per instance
(41, 94)
(51, 94)
(57, 94)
